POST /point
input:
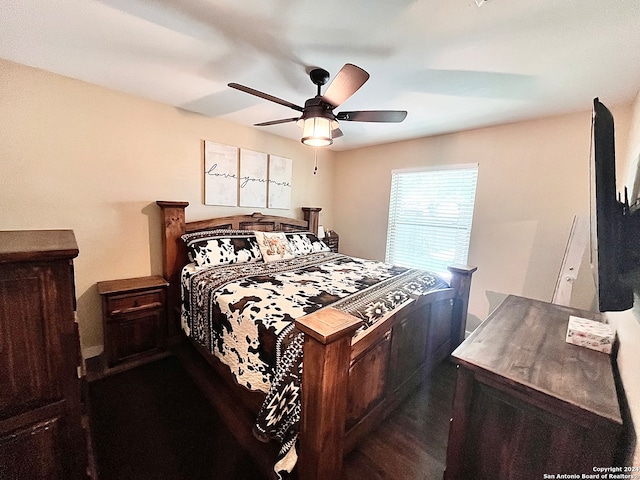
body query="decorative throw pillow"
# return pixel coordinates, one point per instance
(303, 243)
(274, 246)
(222, 247)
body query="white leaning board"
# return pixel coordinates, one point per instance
(578, 240)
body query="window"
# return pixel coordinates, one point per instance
(430, 215)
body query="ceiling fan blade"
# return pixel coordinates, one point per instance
(266, 96)
(336, 133)
(387, 116)
(348, 80)
(276, 122)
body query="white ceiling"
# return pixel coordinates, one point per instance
(451, 64)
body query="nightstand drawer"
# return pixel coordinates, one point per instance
(129, 303)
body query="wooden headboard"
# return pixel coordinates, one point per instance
(174, 253)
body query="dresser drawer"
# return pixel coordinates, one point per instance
(129, 303)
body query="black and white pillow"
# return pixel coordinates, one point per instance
(222, 247)
(303, 243)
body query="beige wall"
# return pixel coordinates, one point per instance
(533, 178)
(74, 155)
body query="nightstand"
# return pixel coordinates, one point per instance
(331, 240)
(134, 319)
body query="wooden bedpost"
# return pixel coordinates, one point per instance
(312, 215)
(173, 259)
(325, 375)
(461, 281)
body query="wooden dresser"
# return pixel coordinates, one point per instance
(528, 404)
(41, 434)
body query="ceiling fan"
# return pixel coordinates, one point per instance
(319, 122)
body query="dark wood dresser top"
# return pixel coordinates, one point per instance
(523, 341)
(33, 245)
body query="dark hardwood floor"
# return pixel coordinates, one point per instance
(152, 422)
(412, 443)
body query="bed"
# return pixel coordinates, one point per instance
(367, 340)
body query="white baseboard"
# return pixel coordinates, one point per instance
(94, 351)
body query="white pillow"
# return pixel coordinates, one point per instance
(274, 246)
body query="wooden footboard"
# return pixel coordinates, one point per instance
(349, 384)
(349, 388)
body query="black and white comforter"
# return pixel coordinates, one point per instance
(244, 314)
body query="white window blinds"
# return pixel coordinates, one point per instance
(430, 215)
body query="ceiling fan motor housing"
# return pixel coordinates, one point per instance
(319, 76)
(317, 107)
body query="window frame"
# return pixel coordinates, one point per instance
(435, 226)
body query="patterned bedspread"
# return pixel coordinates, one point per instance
(244, 314)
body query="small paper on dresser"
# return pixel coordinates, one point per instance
(591, 334)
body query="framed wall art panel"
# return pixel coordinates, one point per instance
(220, 174)
(280, 169)
(253, 178)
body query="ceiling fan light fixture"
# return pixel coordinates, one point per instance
(316, 131)
(318, 121)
